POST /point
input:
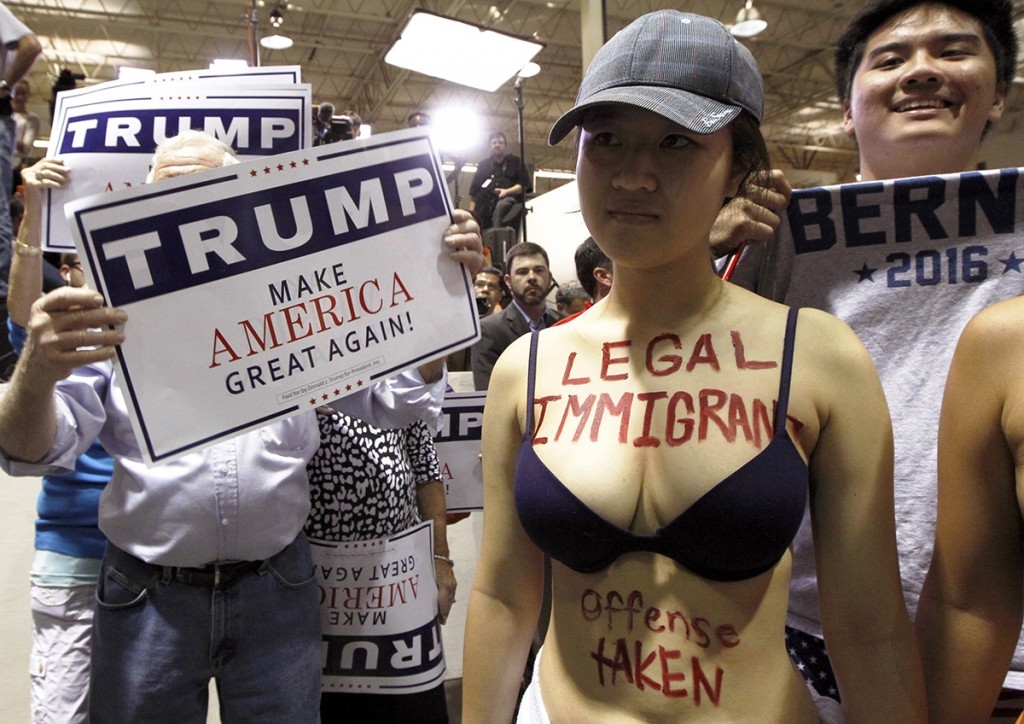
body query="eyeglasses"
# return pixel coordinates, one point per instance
(480, 284)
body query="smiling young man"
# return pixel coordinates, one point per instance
(920, 82)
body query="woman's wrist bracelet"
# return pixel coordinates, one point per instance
(23, 249)
(446, 559)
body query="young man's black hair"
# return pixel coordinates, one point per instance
(995, 16)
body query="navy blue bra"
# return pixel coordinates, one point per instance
(738, 529)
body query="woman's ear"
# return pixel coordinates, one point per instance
(733, 187)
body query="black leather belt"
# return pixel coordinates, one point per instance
(213, 574)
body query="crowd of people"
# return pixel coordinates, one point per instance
(770, 498)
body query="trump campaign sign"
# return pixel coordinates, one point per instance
(264, 289)
(106, 133)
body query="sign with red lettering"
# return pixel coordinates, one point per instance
(270, 287)
(378, 606)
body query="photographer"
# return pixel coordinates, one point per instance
(329, 128)
(489, 287)
(497, 192)
(490, 290)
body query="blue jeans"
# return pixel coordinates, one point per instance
(158, 640)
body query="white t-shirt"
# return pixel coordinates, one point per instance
(907, 276)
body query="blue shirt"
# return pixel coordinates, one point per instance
(68, 503)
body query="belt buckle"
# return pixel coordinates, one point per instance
(213, 574)
(227, 572)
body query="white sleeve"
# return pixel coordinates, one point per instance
(397, 401)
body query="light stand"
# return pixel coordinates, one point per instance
(251, 25)
(458, 162)
(527, 71)
(522, 150)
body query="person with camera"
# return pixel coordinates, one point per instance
(497, 192)
(489, 289)
(331, 128)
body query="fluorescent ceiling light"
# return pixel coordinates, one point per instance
(74, 50)
(449, 166)
(552, 173)
(276, 42)
(748, 22)
(463, 53)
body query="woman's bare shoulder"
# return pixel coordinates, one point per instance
(1000, 325)
(827, 337)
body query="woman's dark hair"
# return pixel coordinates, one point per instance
(66, 80)
(589, 257)
(749, 151)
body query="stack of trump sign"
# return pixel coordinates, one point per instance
(265, 288)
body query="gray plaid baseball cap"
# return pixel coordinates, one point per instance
(685, 67)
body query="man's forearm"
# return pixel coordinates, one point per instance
(21, 63)
(28, 417)
(396, 401)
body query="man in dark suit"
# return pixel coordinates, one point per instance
(528, 277)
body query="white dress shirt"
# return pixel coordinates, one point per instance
(243, 499)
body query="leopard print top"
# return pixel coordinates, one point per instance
(363, 479)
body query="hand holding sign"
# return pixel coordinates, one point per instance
(462, 239)
(295, 280)
(69, 328)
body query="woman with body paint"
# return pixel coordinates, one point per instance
(663, 447)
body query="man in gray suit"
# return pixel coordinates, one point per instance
(528, 276)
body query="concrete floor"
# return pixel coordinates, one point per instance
(18, 501)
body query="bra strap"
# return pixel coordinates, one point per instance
(531, 375)
(787, 369)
